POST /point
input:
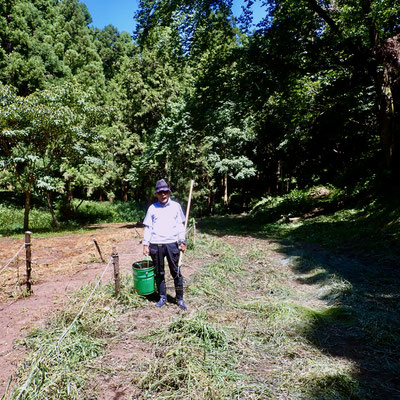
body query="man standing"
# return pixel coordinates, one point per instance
(164, 236)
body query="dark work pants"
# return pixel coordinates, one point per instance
(158, 252)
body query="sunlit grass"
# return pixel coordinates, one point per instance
(363, 225)
(61, 353)
(12, 220)
(256, 329)
(254, 342)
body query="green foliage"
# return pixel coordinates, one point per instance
(91, 212)
(12, 220)
(112, 48)
(148, 81)
(308, 98)
(130, 211)
(48, 43)
(41, 130)
(328, 216)
(295, 203)
(374, 229)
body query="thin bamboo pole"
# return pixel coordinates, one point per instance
(187, 216)
(194, 234)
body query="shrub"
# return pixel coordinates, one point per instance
(12, 219)
(89, 212)
(95, 212)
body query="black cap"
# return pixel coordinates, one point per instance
(162, 186)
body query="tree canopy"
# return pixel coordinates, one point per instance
(309, 96)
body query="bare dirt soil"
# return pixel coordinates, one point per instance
(61, 265)
(66, 263)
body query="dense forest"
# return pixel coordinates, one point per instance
(310, 96)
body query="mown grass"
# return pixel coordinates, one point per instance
(247, 339)
(355, 274)
(198, 355)
(194, 360)
(58, 366)
(259, 326)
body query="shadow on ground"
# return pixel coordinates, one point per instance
(365, 324)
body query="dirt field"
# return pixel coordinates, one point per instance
(60, 265)
(63, 264)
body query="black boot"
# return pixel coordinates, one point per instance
(161, 302)
(181, 304)
(162, 290)
(179, 297)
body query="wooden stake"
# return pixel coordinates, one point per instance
(187, 216)
(28, 258)
(115, 262)
(98, 249)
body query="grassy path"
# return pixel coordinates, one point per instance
(266, 320)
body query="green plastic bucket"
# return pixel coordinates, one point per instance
(143, 277)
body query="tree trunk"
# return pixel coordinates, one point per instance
(125, 198)
(388, 66)
(167, 170)
(27, 209)
(226, 189)
(210, 197)
(278, 177)
(211, 202)
(56, 223)
(386, 118)
(69, 211)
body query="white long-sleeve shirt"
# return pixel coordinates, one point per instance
(164, 223)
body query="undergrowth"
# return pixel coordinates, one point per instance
(88, 212)
(361, 224)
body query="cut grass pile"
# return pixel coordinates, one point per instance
(61, 355)
(262, 325)
(194, 360)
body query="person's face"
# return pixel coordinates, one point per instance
(163, 196)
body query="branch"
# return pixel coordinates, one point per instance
(76, 208)
(325, 16)
(335, 27)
